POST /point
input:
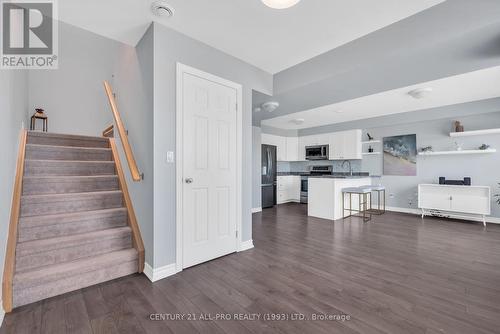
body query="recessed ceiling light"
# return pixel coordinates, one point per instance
(339, 111)
(270, 106)
(420, 93)
(280, 4)
(298, 121)
(162, 9)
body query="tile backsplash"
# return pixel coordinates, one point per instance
(303, 166)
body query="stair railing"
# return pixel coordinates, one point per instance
(15, 212)
(122, 132)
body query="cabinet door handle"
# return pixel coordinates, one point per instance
(451, 198)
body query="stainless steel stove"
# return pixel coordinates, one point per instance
(314, 171)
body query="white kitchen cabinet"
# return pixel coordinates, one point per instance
(279, 142)
(287, 147)
(474, 200)
(292, 149)
(345, 145)
(288, 188)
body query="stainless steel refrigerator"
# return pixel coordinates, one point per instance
(269, 176)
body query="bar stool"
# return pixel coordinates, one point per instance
(378, 189)
(363, 195)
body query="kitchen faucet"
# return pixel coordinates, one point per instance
(350, 167)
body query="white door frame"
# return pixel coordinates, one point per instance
(181, 69)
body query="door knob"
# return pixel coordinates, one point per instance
(189, 180)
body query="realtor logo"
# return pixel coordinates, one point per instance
(29, 34)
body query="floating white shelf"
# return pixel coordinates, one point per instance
(474, 133)
(370, 142)
(370, 153)
(490, 150)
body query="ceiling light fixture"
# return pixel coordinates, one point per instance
(270, 106)
(420, 93)
(162, 9)
(280, 4)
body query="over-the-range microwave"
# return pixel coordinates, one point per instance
(318, 152)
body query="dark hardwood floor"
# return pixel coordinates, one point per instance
(396, 274)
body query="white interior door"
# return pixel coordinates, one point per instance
(209, 169)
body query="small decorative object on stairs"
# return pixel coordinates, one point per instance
(484, 147)
(39, 114)
(459, 127)
(370, 149)
(370, 138)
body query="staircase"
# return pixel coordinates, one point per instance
(74, 228)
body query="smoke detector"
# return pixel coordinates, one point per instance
(420, 93)
(162, 9)
(270, 106)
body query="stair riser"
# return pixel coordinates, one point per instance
(60, 153)
(58, 141)
(64, 229)
(33, 294)
(65, 168)
(67, 205)
(45, 258)
(41, 186)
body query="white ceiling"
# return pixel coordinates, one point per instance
(468, 87)
(270, 39)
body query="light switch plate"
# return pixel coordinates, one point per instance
(170, 157)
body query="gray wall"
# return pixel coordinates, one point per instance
(483, 169)
(73, 95)
(171, 47)
(256, 166)
(14, 107)
(133, 85)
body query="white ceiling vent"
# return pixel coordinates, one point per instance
(162, 9)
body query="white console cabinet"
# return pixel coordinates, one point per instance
(473, 200)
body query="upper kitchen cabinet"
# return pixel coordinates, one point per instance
(279, 142)
(292, 149)
(346, 145)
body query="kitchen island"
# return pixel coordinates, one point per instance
(325, 195)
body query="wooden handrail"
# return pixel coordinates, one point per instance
(10, 254)
(132, 220)
(134, 170)
(108, 132)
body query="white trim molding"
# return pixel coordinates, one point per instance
(245, 245)
(489, 219)
(2, 312)
(159, 273)
(255, 210)
(181, 69)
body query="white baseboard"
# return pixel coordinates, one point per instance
(255, 210)
(246, 245)
(159, 273)
(489, 219)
